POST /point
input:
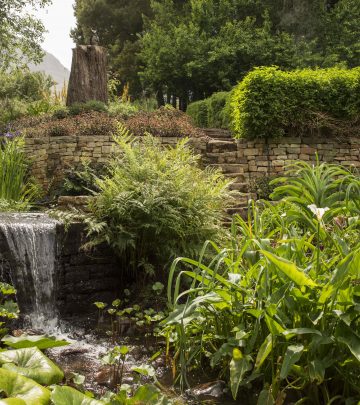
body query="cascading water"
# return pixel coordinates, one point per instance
(31, 256)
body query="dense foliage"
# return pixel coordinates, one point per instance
(277, 308)
(189, 49)
(213, 112)
(270, 102)
(24, 93)
(155, 202)
(20, 33)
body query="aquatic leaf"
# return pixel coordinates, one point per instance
(290, 270)
(69, 396)
(264, 351)
(12, 401)
(292, 356)
(265, 397)
(150, 395)
(239, 365)
(32, 363)
(144, 369)
(345, 334)
(40, 341)
(17, 386)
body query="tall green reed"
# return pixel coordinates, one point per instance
(16, 188)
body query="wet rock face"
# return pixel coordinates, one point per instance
(78, 278)
(85, 277)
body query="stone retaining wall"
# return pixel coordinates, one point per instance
(242, 160)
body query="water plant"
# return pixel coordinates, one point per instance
(276, 309)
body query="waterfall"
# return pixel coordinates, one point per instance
(32, 251)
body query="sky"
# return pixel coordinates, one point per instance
(58, 19)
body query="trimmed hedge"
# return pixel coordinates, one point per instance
(213, 112)
(271, 103)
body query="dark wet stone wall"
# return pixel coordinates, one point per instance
(84, 276)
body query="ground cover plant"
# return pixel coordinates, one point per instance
(155, 202)
(270, 103)
(276, 310)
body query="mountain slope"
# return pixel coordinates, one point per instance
(53, 67)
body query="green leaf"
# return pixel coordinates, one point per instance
(17, 386)
(274, 327)
(292, 356)
(32, 363)
(70, 396)
(12, 401)
(346, 335)
(290, 270)
(144, 369)
(41, 342)
(239, 365)
(265, 398)
(264, 351)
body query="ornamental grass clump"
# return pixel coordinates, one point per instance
(155, 202)
(275, 311)
(17, 190)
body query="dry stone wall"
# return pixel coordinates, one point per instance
(242, 160)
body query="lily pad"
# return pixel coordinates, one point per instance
(32, 363)
(70, 396)
(40, 341)
(16, 386)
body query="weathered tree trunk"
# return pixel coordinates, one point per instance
(88, 78)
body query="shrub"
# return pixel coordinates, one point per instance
(270, 102)
(25, 85)
(212, 112)
(155, 202)
(277, 305)
(122, 109)
(198, 111)
(89, 106)
(165, 121)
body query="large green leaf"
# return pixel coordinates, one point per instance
(264, 351)
(32, 363)
(346, 335)
(292, 356)
(290, 270)
(41, 342)
(12, 401)
(17, 386)
(239, 365)
(70, 396)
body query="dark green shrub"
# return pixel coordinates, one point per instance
(92, 105)
(61, 113)
(216, 110)
(198, 111)
(270, 102)
(213, 112)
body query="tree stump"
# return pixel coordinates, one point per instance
(88, 77)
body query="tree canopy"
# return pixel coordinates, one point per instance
(190, 48)
(20, 33)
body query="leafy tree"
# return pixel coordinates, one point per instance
(20, 33)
